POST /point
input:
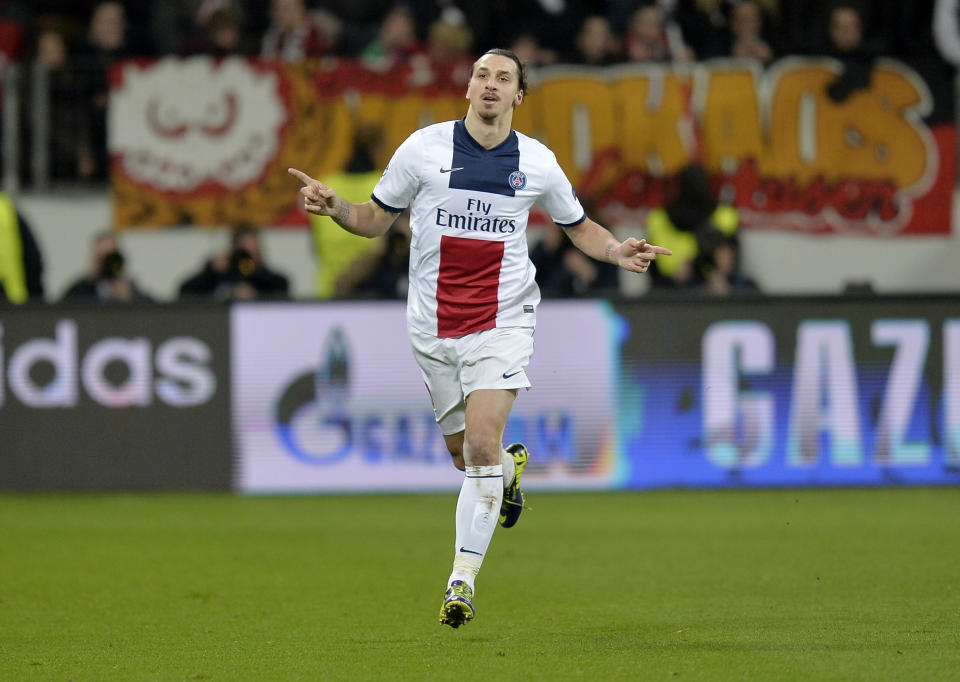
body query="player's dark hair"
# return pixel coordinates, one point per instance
(509, 54)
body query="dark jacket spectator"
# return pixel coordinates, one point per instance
(107, 279)
(846, 42)
(108, 40)
(563, 271)
(239, 274)
(382, 271)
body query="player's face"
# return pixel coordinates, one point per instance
(494, 87)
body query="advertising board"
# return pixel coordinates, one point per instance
(118, 398)
(329, 397)
(774, 392)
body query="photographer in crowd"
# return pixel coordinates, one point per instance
(238, 274)
(106, 279)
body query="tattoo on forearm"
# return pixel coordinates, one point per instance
(608, 256)
(343, 212)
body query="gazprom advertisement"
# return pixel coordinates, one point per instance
(647, 394)
(328, 397)
(776, 392)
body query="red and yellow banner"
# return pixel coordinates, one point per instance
(206, 142)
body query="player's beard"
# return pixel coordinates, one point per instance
(492, 116)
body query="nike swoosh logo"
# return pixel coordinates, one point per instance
(507, 376)
(450, 170)
(470, 551)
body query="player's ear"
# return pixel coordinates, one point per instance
(518, 98)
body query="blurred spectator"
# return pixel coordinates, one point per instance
(51, 49)
(717, 264)
(239, 274)
(745, 35)
(335, 247)
(480, 19)
(360, 21)
(689, 214)
(21, 264)
(846, 43)
(690, 24)
(106, 42)
(381, 272)
(106, 279)
(528, 48)
(595, 43)
(553, 23)
(843, 26)
(564, 271)
(396, 39)
(295, 34)
(449, 40)
(64, 128)
(845, 31)
(109, 32)
(174, 25)
(649, 40)
(221, 35)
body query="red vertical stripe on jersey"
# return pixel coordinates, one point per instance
(468, 285)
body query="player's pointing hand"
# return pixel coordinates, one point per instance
(318, 198)
(636, 255)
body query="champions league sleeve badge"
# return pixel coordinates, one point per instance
(517, 180)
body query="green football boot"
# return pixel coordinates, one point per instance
(512, 505)
(457, 606)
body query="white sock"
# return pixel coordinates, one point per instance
(509, 468)
(478, 509)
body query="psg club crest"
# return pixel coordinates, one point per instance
(517, 180)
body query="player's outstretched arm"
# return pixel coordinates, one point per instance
(366, 219)
(597, 242)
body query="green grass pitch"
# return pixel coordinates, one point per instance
(763, 585)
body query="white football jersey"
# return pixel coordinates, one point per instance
(469, 267)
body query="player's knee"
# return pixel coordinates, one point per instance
(482, 448)
(458, 461)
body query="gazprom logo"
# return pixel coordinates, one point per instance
(311, 411)
(517, 180)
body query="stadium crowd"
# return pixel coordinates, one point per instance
(583, 31)
(76, 41)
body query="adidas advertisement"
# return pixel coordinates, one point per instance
(328, 397)
(133, 399)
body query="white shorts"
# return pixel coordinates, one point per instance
(453, 368)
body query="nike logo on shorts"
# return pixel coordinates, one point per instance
(450, 170)
(507, 376)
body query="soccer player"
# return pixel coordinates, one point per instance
(472, 297)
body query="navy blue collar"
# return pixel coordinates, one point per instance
(460, 131)
(484, 170)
